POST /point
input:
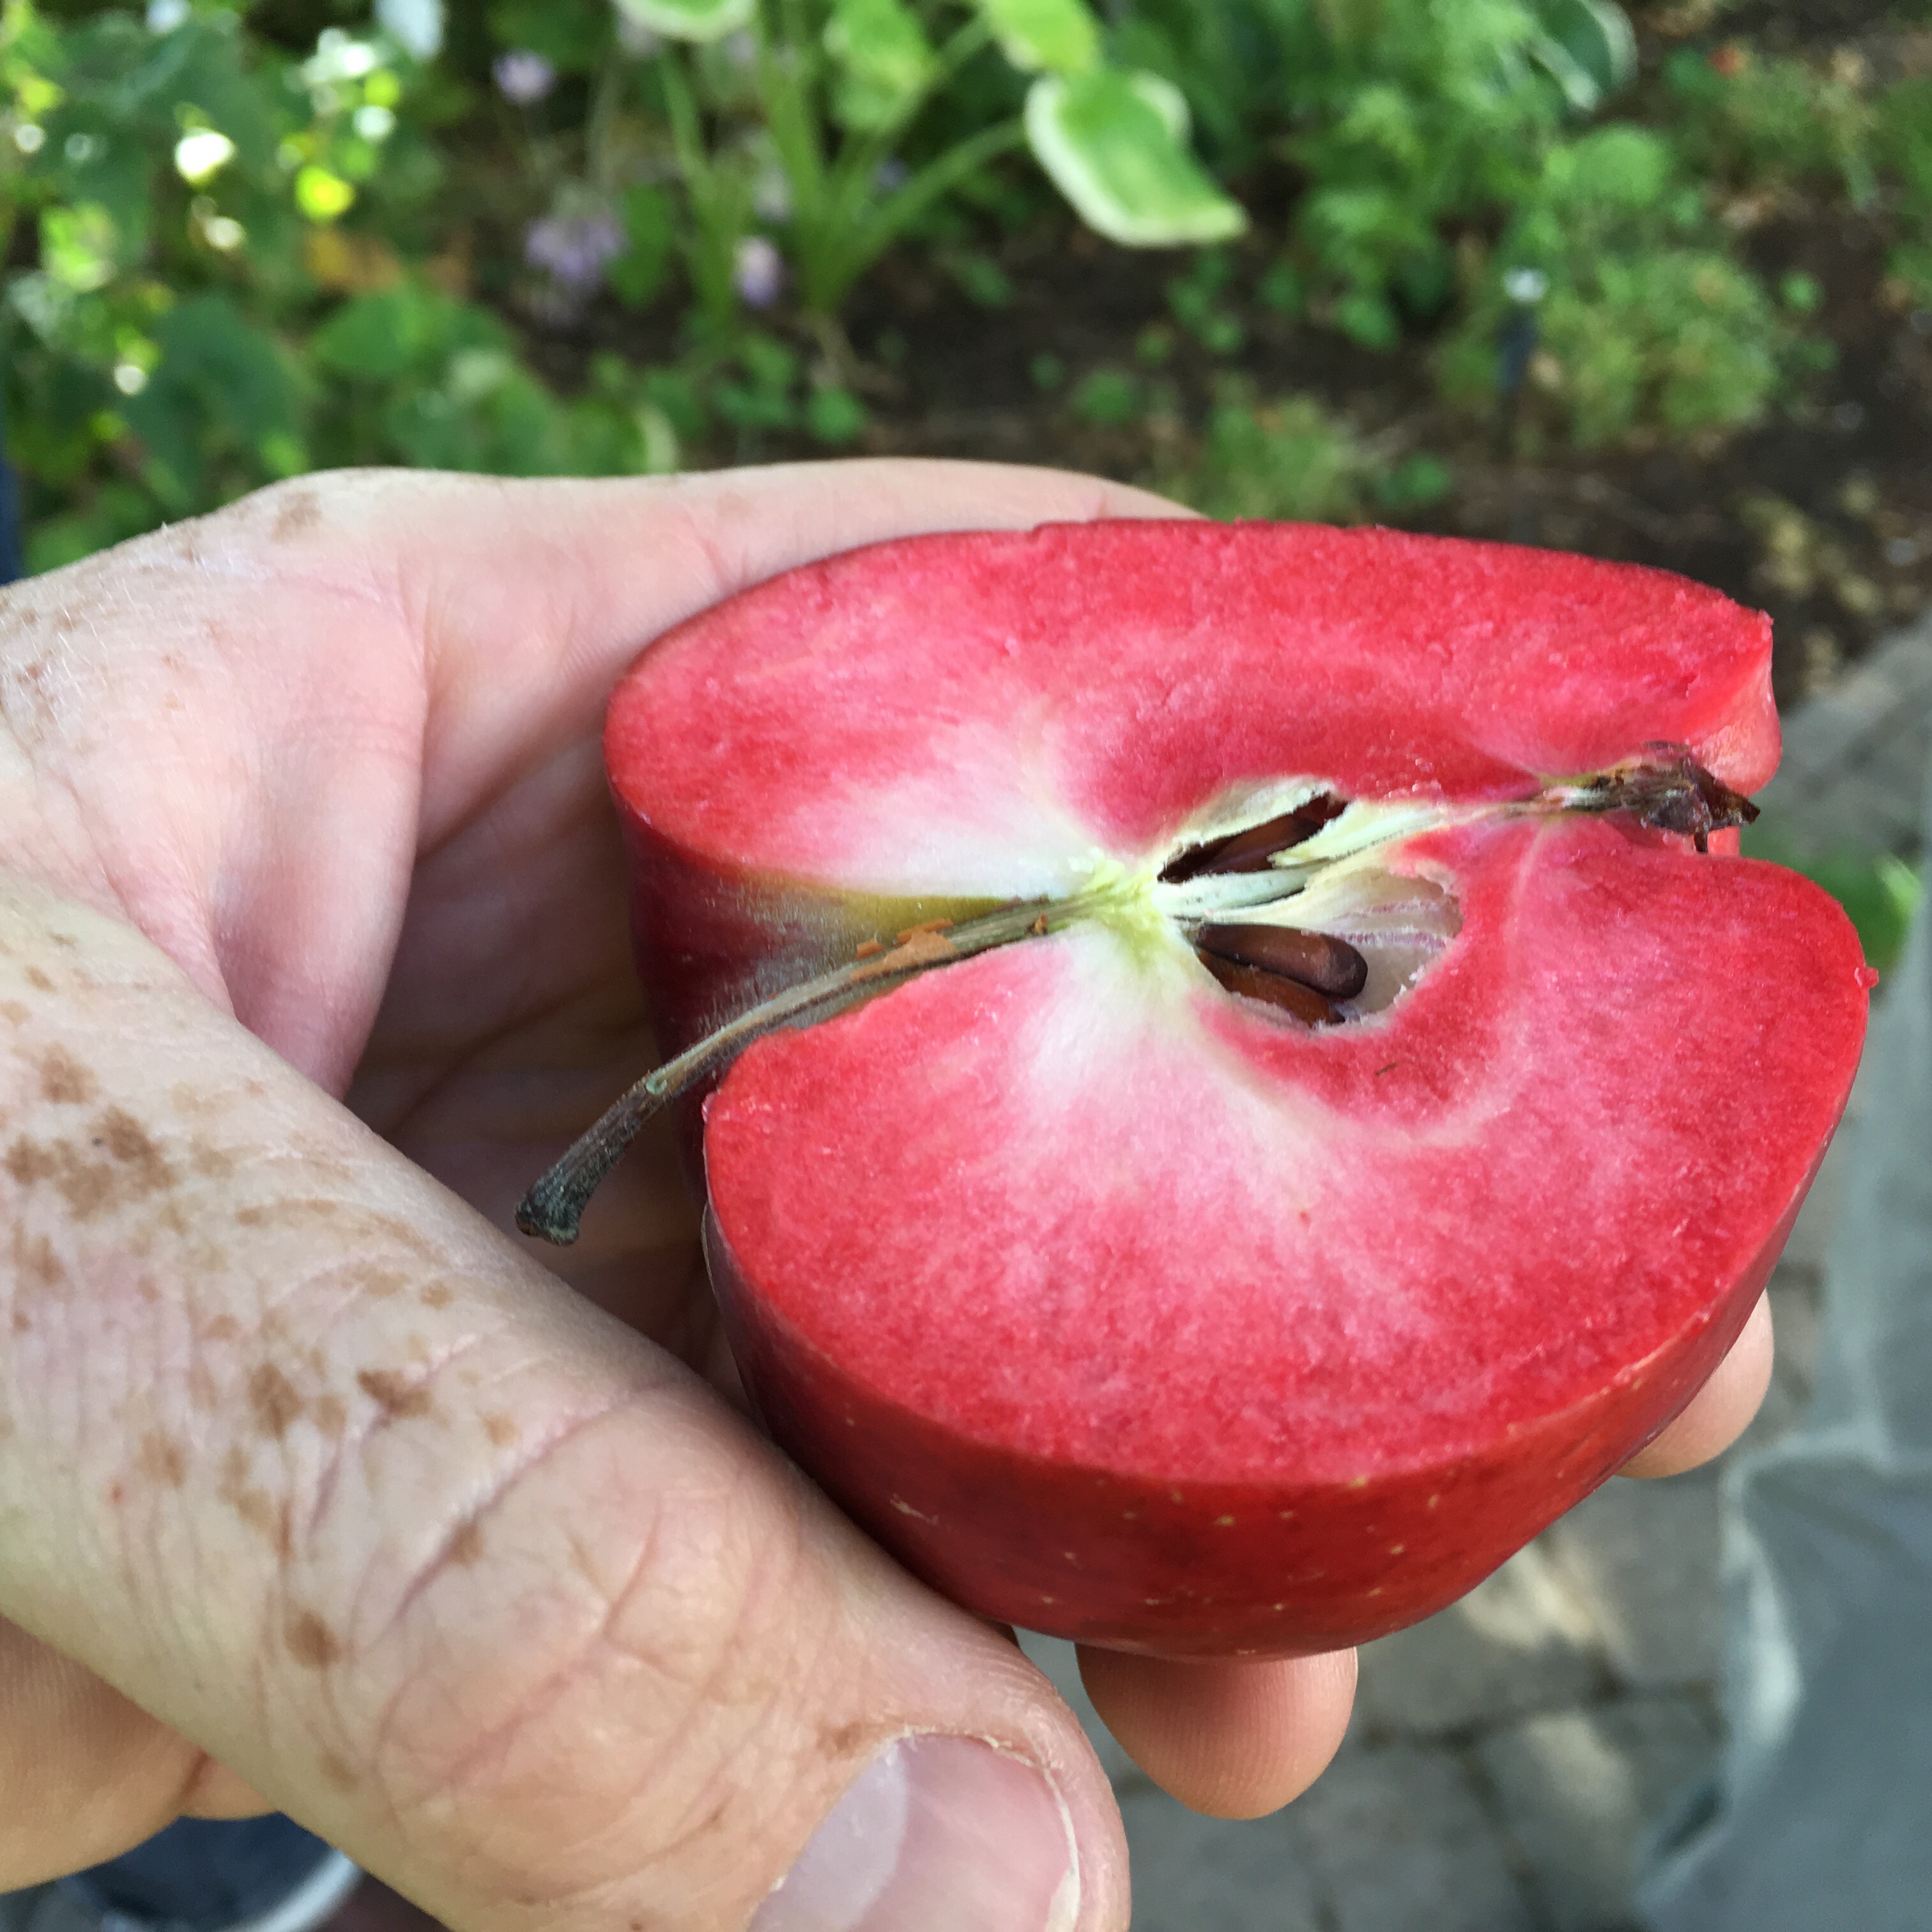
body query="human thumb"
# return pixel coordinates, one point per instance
(311, 1463)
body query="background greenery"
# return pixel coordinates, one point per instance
(1436, 261)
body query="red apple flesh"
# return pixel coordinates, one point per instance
(1119, 1305)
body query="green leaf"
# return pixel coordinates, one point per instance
(981, 279)
(697, 20)
(1588, 48)
(834, 415)
(650, 231)
(1623, 169)
(573, 38)
(1415, 483)
(1367, 318)
(221, 381)
(321, 196)
(1044, 36)
(1285, 459)
(1108, 399)
(1114, 145)
(411, 330)
(78, 247)
(884, 59)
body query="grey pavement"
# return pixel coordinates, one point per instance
(1508, 1757)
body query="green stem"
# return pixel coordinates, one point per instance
(709, 248)
(791, 115)
(1663, 786)
(868, 239)
(598, 162)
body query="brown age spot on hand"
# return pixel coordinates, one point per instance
(330, 1414)
(311, 1211)
(437, 1294)
(841, 1740)
(253, 1504)
(271, 1521)
(378, 1282)
(39, 980)
(133, 1168)
(64, 1080)
(222, 1328)
(163, 1459)
(300, 511)
(311, 1642)
(35, 1261)
(29, 1162)
(273, 1398)
(216, 1163)
(128, 1140)
(23, 1322)
(15, 1012)
(335, 1774)
(501, 1430)
(395, 1397)
(467, 1545)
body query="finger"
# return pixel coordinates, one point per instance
(310, 1463)
(1235, 1740)
(109, 1777)
(1721, 1411)
(344, 672)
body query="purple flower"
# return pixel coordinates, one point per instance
(523, 76)
(572, 249)
(759, 273)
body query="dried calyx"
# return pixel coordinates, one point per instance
(1296, 911)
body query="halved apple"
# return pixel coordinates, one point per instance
(1120, 1295)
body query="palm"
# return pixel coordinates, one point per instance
(512, 1016)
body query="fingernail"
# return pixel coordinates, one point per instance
(937, 1835)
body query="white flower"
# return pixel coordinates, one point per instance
(201, 153)
(417, 24)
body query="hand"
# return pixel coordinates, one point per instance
(318, 1490)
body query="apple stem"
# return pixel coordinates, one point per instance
(1669, 789)
(553, 1208)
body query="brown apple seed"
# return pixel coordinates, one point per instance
(1317, 959)
(1290, 996)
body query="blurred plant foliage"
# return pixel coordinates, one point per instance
(1288, 456)
(1878, 889)
(243, 240)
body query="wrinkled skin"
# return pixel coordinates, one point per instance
(319, 1487)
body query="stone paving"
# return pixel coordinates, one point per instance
(1509, 1757)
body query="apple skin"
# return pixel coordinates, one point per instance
(1285, 1562)
(1213, 1570)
